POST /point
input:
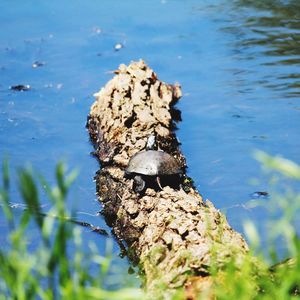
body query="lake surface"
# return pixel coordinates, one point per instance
(237, 61)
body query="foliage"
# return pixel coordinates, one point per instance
(49, 270)
(259, 275)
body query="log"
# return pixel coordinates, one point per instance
(171, 232)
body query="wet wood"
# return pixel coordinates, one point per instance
(170, 232)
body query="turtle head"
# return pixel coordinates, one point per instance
(151, 142)
(138, 184)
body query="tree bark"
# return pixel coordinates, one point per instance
(172, 232)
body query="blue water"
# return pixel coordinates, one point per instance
(237, 62)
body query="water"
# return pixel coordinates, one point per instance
(237, 62)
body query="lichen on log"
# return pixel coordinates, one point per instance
(170, 232)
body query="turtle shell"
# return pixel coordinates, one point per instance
(152, 162)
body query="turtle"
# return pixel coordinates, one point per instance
(153, 164)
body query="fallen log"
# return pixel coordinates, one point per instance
(171, 232)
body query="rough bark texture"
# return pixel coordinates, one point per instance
(172, 232)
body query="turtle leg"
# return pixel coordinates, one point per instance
(138, 184)
(158, 182)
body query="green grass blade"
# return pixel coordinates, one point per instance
(4, 194)
(29, 193)
(277, 163)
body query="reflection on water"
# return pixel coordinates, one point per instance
(271, 29)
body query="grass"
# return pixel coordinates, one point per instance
(261, 275)
(49, 270)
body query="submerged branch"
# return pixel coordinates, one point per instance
(93, 228)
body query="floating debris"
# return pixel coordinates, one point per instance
(97, 30)
(118, 46)
(37, 64)
(48, 85)
(20, 87)
(237, 116)
(259, 194)
(262, 137)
